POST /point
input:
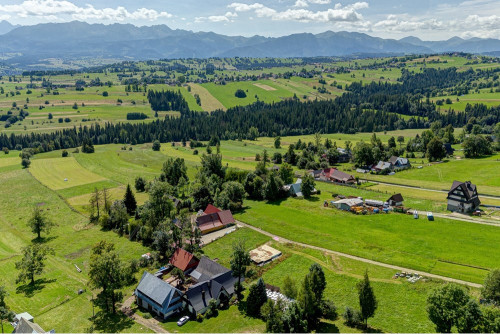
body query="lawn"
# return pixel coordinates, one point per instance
(54, 295)
(61, 173)
(394, 238)
(441, 176)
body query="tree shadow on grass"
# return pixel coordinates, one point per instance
(326, 327)
(112, 323)
(43, 240)
(29, 290)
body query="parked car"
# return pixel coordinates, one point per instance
(183, 320)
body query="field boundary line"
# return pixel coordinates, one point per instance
(361, 259)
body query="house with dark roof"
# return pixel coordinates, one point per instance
(214, 282)
(463, 197)
(213, 219)
(395, 200)
(399, 163)
(344, 155)
(158, 296)
(26, 326)
(382, 166)
(183, 260)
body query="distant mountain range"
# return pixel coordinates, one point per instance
(79, 40)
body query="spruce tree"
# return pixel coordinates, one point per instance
(129, 201)
(367, 300)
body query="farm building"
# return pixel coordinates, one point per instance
(372, 202)
(333, 175)
(213, 219)
(158, 296)
(348, 203)
(463, 197)
(399, 163)
(395, 200)
(24, 325)
(264, 254)
(183, 260)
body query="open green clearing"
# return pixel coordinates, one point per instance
(54, 296)
(393, 238)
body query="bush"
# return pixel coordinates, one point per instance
(199, 317)
(329, 310)
(136, 115)
(195, 152)
(64, 153)
(156, 145)
(105, 94)
(140, 184)
(212, 309)
(5, 150)
(352, 317)
(25, 163)
(240, 93)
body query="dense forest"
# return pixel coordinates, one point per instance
(370, 108)
(167, 100)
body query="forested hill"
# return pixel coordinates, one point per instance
(347, 114)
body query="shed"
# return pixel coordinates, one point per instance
(348, 203)
(395, 200)
(372, 202)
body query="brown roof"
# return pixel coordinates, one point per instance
(183, 259)
(213, 220)
(211, 209)
(338, 175)
(396, 198)
(226, 217)
(467, 188)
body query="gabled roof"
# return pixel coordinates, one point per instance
(207, 269)
(383, 165)
(467, 188)
(156, 289)
(226, 217)
(338, 175)
(182, 259)
(213, 220)
(226, 280)
(211, 209)
(201, 294)
(26, 326)
(396, 198)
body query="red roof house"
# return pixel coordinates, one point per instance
(214, 219)
(183, 260)
(211, 209)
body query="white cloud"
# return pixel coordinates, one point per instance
(337, 14)
(404, 24)
(300, 3)
(60, 8)
(228, 17)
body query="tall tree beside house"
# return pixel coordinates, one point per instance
(129, 200)
(239, 262)
(286, 173)
(32, 262)
(106, 274)
(5, 313)
(163, 240)
(367, 300)
(308, 185)
(256, 298)
(40, 223)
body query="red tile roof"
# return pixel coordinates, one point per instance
(211, 209)
(183, 259)
(215, 220)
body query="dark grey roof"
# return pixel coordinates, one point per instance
(207, 269)
(25, 326)
(201, 294)
(227, 280)
(396, 198)
(156, 289)
(467, 188)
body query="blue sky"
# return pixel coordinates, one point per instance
(426, 19)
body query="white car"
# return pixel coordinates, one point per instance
(183, 320)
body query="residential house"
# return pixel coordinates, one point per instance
(214, 282)
(463, 197)
(183, 260)
(28, 326)
(347, 203)
(399, 163)
(382, 166)
(395, 200)
(158, 296)
(344, 155)
(295, 189)
(213, 219)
